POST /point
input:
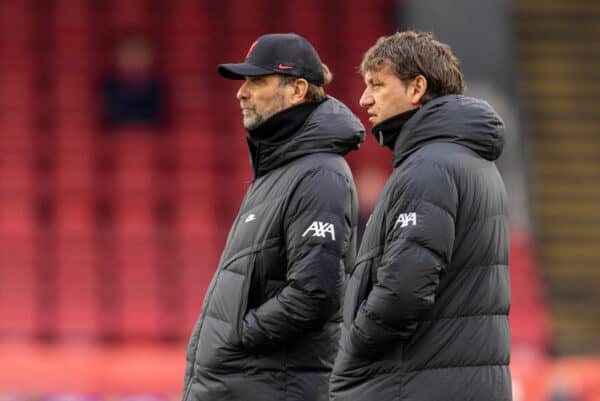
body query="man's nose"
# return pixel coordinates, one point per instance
(242, 92)
(366, 99)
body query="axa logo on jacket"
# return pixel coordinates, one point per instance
(320, 229)
(406, 219)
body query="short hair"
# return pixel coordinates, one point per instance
(315, 93)
(410, 54)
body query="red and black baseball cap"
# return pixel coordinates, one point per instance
(278, 53)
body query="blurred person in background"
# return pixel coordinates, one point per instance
(133, 94)
(426, 307)
(270, 321)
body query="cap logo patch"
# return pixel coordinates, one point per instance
(251, 48)
(284, 67)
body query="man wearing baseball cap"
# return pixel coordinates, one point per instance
(270, 321)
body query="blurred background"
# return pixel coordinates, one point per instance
(123, 163)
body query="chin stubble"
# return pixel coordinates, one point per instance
(255, 119)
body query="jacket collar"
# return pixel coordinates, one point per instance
(282, 125)
(328, 126)
(459, 119)
(387, 131)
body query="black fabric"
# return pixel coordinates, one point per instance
(277, 129)
(386, 132)
(325, 122)
(454, 119)
(270, 321)
(278, 53)
(427, 302)
(282, 125)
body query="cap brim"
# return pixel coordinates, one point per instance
(241, 70)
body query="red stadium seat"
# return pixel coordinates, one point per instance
(18, 285)
(16, 179)
(134, 215)
(77, 299)
(71, 16)
(73, 92)
(199, 259)
(72, 122)
(75, 212)
(135, 162)
(17, 128)
(139, 287)
(75, 143)
(16, 15)
(17, 213)
(16, 56)
(16, 91)
(530, 326)
(195, 160)
(129, 14)
(195, 215)
(68, 44)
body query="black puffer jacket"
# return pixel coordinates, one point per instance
(270, 322)
(426, 309)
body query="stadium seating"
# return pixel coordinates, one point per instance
(115, 237)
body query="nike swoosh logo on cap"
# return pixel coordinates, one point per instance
(284, 67)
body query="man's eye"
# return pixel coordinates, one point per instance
(256, 80)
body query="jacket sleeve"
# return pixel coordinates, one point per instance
(316, 226)
(419, 238)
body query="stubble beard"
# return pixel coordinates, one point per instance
(253, 119)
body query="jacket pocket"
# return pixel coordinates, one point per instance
(229, 301)
(357, 290)
(245, 295)
(360, 283)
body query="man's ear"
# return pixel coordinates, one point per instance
(417, 87)
(299, 91)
